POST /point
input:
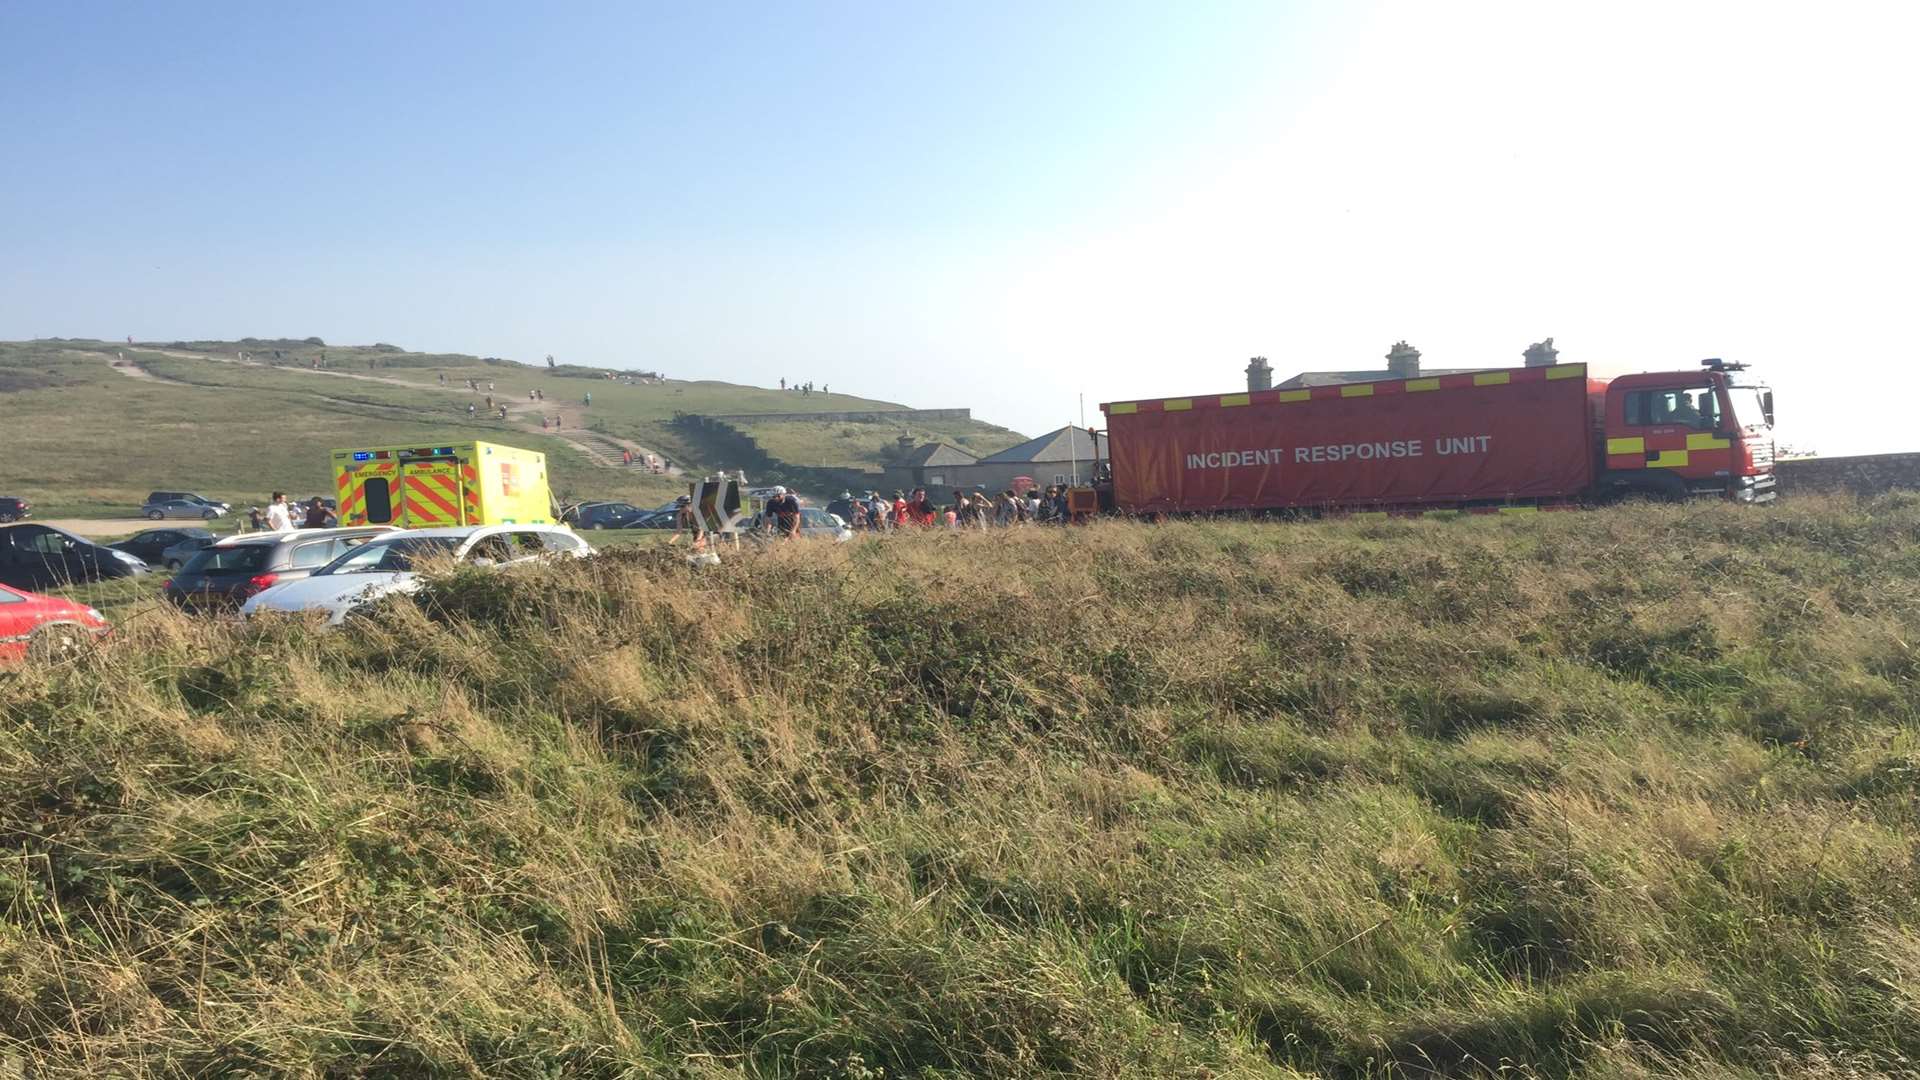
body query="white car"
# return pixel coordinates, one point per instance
(387, 565)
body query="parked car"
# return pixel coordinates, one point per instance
(181, 508)
(177, 556)
(226, 574)
(151, 545)
(391, 564)
(184, 496)
(12, 509)
(601, 515)
(44, 627)
(655, 519)
(815, 524)
(42, 557)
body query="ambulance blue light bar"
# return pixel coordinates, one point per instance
(363, 456)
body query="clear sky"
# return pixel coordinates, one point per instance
(1000, 205)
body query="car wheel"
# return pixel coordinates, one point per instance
(154, 515)
(210, 515)
(57, 643)
(598, 525)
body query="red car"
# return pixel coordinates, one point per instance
(44, 626)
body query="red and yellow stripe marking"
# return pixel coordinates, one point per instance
(432, 499)
(1386, 388)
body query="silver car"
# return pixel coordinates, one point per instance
(181, 508)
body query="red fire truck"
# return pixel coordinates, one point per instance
(1508, 437)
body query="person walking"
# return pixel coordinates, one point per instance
(471, 410)
(784, 508)
(318, 516)
(589, 401)
(255, 523)
(279, 518)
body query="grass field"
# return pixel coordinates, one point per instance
(1620, 793)
(869, 443)
(87, 439)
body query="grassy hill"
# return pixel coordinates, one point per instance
(1628, 793)
(91, 434)
(870, 442)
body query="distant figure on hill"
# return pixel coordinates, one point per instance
(549, 359)
(470, 410)
(589, 400)
(783, 384)
(823, 388)
(539, 394)
(443, 378)
(503, 412)
(543, 422)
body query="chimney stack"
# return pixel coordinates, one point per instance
(1259, 375)
(1541, 354)
(1404, 361)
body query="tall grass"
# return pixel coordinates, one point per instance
(1628, 793)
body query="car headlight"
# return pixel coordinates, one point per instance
(124, 557)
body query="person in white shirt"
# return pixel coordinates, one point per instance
(279, 519)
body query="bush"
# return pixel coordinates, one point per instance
(1198, 799)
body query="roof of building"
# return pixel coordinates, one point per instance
(1335, 378)
(936, 453)
(1067, 444)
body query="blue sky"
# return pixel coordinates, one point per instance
(994, 205)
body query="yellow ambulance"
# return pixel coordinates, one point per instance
(425, 487)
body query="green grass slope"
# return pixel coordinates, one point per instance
(89, 438)
(1621, 793)
(870, 442)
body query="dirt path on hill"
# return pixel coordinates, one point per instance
(598, 447)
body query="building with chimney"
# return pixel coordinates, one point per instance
(1403, 362)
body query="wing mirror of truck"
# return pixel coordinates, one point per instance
(1766, 407)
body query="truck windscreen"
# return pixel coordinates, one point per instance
(1749, 408)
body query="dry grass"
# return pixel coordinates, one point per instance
(1627, 793)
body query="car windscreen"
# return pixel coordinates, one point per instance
(239, 559)
(389, 556)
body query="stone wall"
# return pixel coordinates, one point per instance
(869, 416)
(1865, 474)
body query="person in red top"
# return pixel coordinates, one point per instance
(899, 508)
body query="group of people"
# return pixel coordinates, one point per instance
(804, 388)
(974, 509)
(279, 515)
